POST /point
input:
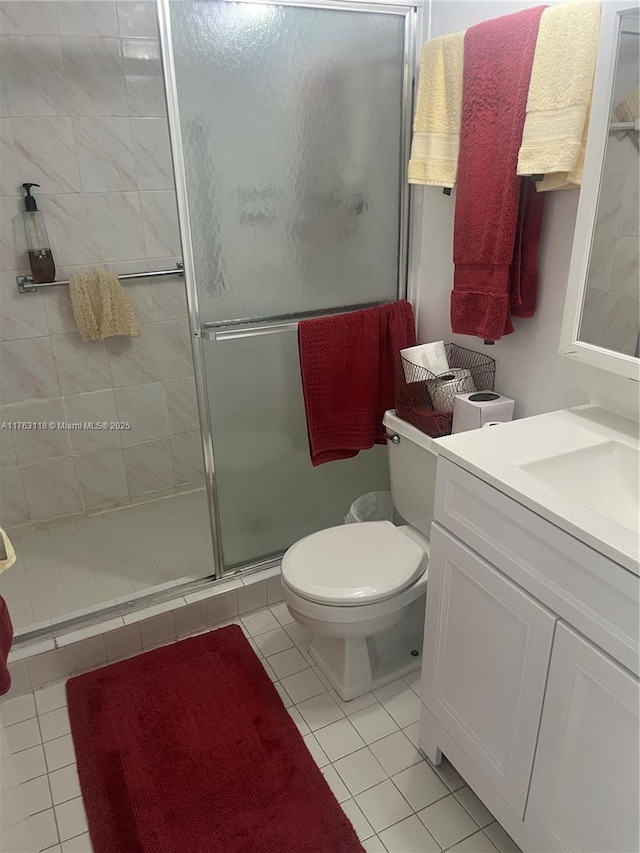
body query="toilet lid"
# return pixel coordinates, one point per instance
(353, 563)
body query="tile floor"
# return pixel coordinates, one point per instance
(366, 750)
(85, 562)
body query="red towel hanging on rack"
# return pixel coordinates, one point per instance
(498, 56)
(348, 365)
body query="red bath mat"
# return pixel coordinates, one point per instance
(189, 749)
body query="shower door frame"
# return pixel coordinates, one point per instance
(412, 27)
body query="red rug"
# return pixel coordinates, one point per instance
(189, 749)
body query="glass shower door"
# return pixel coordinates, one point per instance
(292, 127)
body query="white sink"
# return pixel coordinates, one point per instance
(604, 477)
(578, 468)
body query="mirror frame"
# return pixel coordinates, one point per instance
(570, 345)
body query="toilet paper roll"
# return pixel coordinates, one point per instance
(432, 356)
(442, 390)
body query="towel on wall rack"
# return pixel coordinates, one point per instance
(498, 56)
(436, 125)
(101, 307)
(554, 137)
(523, 275)
(26, 284)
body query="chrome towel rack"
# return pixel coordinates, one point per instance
(26, 284)
(616, 126)
(266, 325)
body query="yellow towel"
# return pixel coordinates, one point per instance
(555, 129)
(436, 125)
(101, 307)
(629, 110)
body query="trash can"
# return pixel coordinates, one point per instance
(374, 506)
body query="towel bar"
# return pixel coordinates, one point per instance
(250, 327)
(616, 126)
(26, 284)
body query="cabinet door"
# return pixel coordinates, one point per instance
(584, 791)
(486, 656)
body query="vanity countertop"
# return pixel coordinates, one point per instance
(563, 465)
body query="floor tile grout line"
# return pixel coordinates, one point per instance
(439, 800)
(389, 777)
(55, 818)
(453, 794)
(53, 806)
(33, 746)
(46, 808)
(79, 835)
(460, 840)
(395, 823)
(347, 717)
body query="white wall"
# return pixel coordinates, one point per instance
(529, 367)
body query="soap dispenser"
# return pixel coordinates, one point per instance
(40, 257)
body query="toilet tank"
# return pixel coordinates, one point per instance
(412, 470)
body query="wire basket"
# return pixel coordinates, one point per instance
(425, 399)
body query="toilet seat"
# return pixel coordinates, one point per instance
(353, 564)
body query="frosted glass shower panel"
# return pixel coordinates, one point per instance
(291, 123)
(269, 494)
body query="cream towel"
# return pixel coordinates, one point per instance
(436, 125)
(555, 129)
(7, 554)
(101, 307)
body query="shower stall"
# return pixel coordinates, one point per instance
(289, 128)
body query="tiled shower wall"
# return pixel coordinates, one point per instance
(83, 114)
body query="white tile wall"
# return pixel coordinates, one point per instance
(28, 17)
(415, 808)
(83, 114)
(91, 19)
(612, 300)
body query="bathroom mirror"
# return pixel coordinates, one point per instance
(602, 312)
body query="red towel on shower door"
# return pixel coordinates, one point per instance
(498, 56)
(348, 365)
(6, 639)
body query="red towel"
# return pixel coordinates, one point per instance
(348, 367)
(6, 638)
(523, 282)
(498, 56)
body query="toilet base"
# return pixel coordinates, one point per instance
(356, 665)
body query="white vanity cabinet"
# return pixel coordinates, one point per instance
(584, 790)
(516, 688)
(486, 658)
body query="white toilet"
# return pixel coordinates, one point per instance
(360, 588)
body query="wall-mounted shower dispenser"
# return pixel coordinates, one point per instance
(40, 255)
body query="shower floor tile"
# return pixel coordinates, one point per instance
(88, 562)
(388, 797)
